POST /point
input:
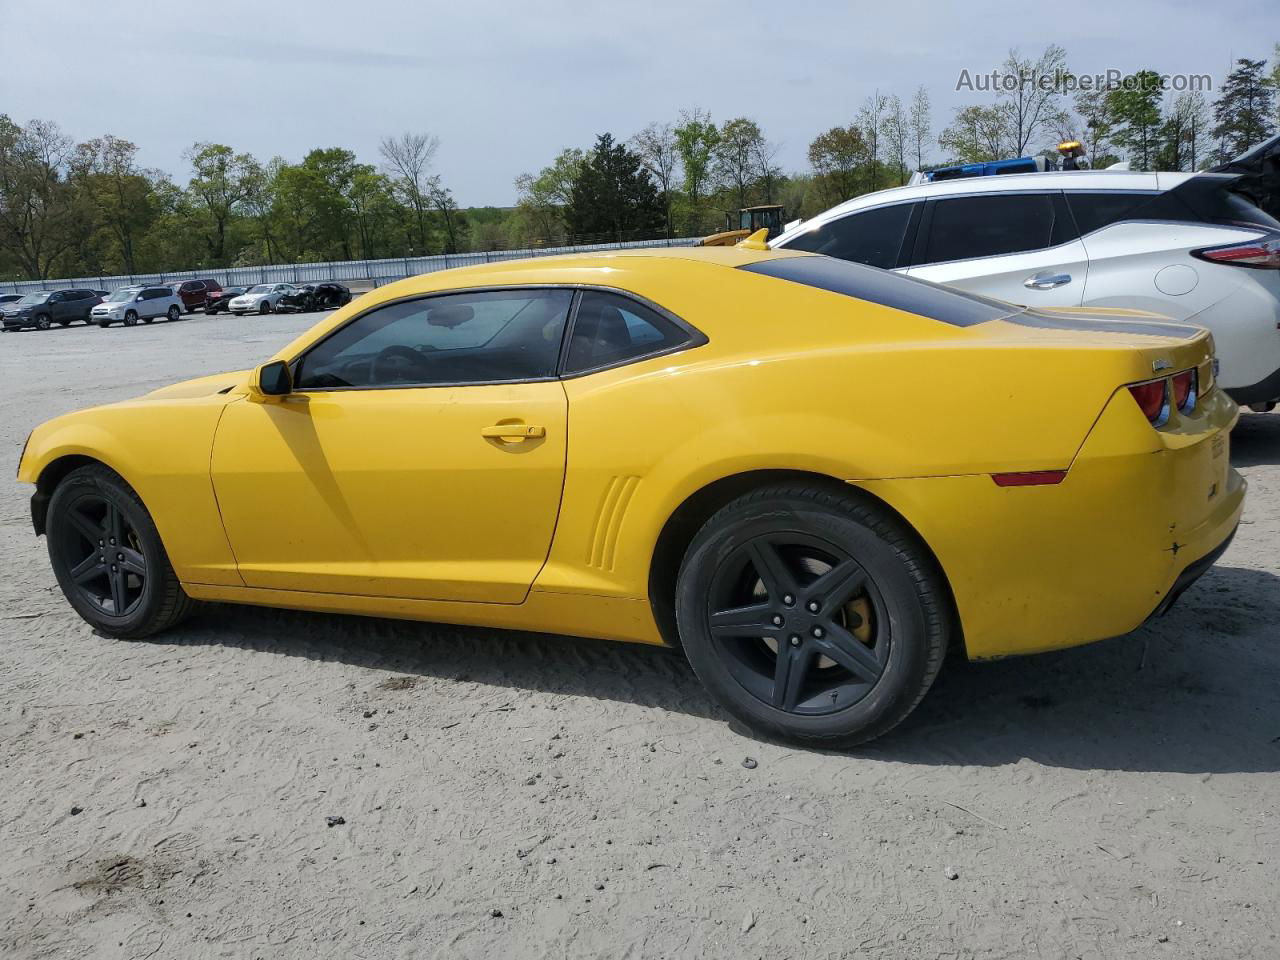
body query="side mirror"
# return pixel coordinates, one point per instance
(138, 298)
(271, 380)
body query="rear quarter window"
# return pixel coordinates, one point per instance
(912, 295)
(992, 225)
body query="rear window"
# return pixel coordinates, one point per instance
(1204, 198)
(925, 299)
(991, 225)
(873, 237)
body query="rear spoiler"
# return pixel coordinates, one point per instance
(1258, 161)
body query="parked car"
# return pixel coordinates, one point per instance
(222, 304)
(261, 298)
(42, 310)
(196, 294)
(128, 305)
(8, 298)
(314, 296)
(1197, 248)
(749, 481)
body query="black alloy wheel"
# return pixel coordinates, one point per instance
(103, 554)
(798, 623)
(812, 613)
(108, 557)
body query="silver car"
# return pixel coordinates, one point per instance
(128, 305)
(259, 299)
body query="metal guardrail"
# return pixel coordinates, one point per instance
(377, 271)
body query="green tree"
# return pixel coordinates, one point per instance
(1135, 105)
(838, 158)
(920, 124)
(1097, 125)
(543, 198)
(1032, 108)
(1243, 114)
(120, 193)
(735, 155)
(614, 196)
(408, 159)
(221, 182)
(976, 135)
(656, 146)
(41, 216)
(696, 139)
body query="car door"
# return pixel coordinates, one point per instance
(57, 305)
(420, 455)
(1020, 247)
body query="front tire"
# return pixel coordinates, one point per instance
(265, 308)
(108, 557)
(811, 615)
(42, 322)
(131, 319)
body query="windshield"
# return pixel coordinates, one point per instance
(32, 298)
(260, 288)
(123, 294)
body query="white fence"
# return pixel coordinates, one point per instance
(377, 271)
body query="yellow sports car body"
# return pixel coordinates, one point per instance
(811, 475)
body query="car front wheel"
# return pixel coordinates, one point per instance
(108, 558)
(131, 319)
(42, 322)
(812, 615)
(265, 308)
(174, 313)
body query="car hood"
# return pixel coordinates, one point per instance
(250, 296)
(200, 386)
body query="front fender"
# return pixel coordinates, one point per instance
(161, 449)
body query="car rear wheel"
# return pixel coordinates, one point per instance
(42, 322)
(174, 313)
(131, 319)
(811, 615)
(108, 558)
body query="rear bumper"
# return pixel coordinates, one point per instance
(1140, 515)
(1194, 571)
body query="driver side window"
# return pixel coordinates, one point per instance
(496, 336)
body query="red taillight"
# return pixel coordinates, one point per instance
(1030, 478)
(1184, 390)
(1263, 254)
(1151, 399)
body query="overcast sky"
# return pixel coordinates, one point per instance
(507, 85)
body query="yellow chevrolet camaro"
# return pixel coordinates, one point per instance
(812, 476)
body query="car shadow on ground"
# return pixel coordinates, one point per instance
(1256, 440)
(1197, 691)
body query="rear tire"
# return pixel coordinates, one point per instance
(834, 583)
(108, 557)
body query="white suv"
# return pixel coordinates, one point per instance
(128, 305)
(1198, 248)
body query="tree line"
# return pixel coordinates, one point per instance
(89, 208)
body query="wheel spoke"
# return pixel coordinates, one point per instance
(851, 653)
(752, 621)
(838, 585)
(87, 568)
(772, 570)
(118, 591)
(789, 675)
(86, 527)
(133, 562)
(115, 523)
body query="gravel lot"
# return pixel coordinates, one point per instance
(510, 795)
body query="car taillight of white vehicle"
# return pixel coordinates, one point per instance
(1260, 254)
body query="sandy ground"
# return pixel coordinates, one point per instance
(510, 795)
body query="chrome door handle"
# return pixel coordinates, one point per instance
(1046, 281)
(513, 431)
